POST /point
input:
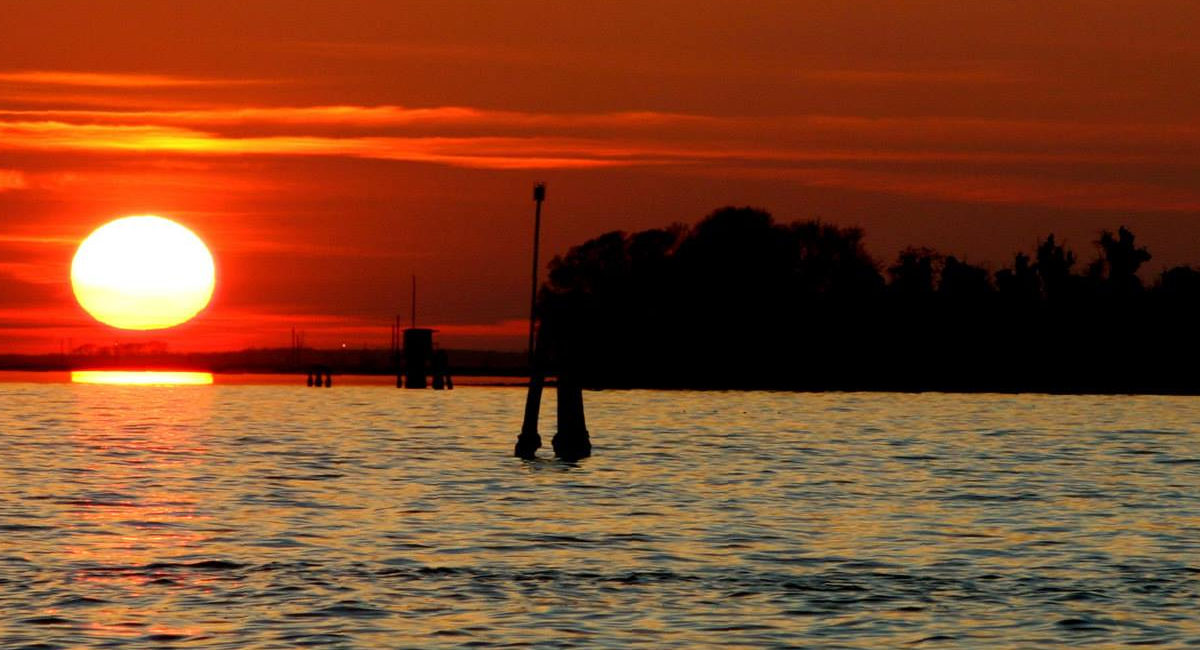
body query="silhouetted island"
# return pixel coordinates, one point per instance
(739, 302)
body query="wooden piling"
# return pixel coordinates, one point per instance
(571, 442)
(528, 442)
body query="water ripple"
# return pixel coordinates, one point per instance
(263, 517)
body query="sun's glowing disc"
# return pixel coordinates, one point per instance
(141, 378)
(143, 273)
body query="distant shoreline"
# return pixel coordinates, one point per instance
(519, 379)
(283, 361)
(54, 376)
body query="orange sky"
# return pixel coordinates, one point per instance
(327, 150)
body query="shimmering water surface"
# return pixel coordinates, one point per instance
(362, 516)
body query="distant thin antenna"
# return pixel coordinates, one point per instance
(414, 300)
(539, 195)
(396, 336)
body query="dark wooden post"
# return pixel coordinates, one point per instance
(571, 442)
(529, 440)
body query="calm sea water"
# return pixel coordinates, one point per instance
(367, 517)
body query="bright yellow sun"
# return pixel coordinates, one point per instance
(142, 273)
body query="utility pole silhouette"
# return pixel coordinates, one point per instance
(539, 195)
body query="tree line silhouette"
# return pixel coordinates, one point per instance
(741, 301)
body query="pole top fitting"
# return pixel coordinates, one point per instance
(539, 191)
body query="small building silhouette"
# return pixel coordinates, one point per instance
(420, 360)
(418, 353)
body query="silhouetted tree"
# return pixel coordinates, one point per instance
(1180, 283)
(598, 266)
(961, 281)
(1053, 266)
(832, 261)
(697, 302)
(1119, 262)
(914, 275)
(740, 300)
(1020, 283)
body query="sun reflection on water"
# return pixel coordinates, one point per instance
(141, 378)
(135, 515)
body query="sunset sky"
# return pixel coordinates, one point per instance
(326, 151)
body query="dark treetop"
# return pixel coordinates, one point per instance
(740, 301)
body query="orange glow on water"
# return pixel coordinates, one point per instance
(141, 378)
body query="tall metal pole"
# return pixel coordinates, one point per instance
(539, 195)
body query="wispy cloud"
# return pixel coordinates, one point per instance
(31, 272)
(526, 152)
(109, 79)
(297, 124)
(34, 317)
(366, 116)
(484, 152)
(302, 129)
(12, 179)
(504, 328)
(1002, 188)
(902, 155)
(36, 239)
(880, 76)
